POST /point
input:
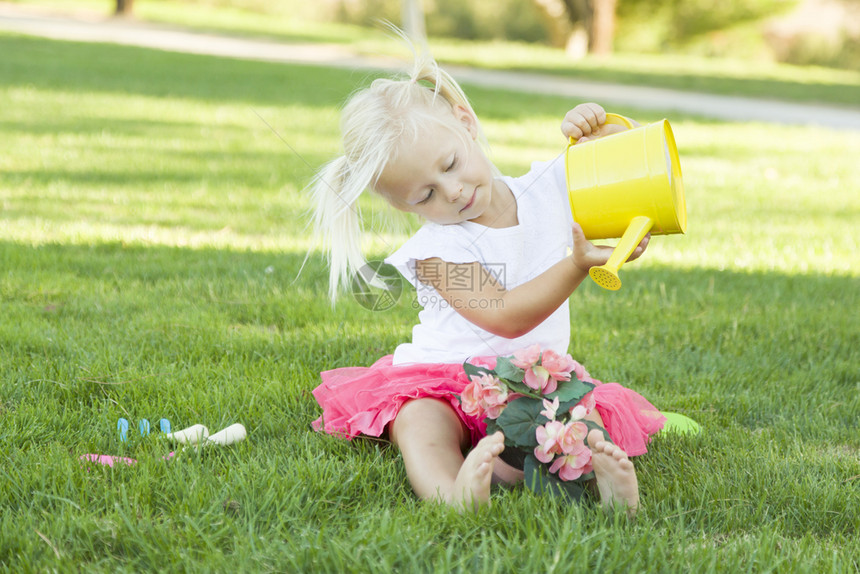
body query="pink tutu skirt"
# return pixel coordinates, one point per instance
(364, 400)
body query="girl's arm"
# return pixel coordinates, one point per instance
(512, 313)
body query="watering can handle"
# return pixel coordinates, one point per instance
(615, 119)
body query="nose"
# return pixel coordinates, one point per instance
(452, 190)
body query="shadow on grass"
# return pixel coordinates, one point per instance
(84, 67)
(115, 68)
(749, 347)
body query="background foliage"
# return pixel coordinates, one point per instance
(737, 28)
(757, 30)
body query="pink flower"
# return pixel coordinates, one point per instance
(583, 407)
(574, 464)
(495, 398)
(581, 373)
(550, 408)
(548, 438)
(573, 435)
(484, 396)
(543, 370)
(526, 358)
(470, 398)
(539, 379)
(558, 367)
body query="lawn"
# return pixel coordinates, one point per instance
(152, 239)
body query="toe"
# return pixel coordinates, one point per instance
(596, 440)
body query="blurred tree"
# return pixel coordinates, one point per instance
(124, 7)
(601, 33)
(412, 20)
(580, 25)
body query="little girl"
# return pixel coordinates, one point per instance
(493, 266)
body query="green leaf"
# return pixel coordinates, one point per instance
(569, 393)
(475, 370)
(539, 480)
(514, 385)
(506, 370)
(520, 420)
(492, 426)
(513, 377)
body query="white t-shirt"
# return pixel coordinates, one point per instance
(512, 255)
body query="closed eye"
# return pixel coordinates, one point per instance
(426, 199)
(452, 164)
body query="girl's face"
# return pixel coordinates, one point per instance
(443, 176)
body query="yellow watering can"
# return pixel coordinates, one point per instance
(625, 185)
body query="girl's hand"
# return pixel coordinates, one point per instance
(587, 122)
(587, 255)
(583, 120)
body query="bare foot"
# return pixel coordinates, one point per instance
(615, 475)
(472, 485)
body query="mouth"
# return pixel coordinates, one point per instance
(468, 205)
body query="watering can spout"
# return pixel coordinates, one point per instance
(607, 275)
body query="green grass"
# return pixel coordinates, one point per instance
(151, 238)
(292, 21)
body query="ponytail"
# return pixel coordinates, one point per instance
(337, 221)
(426, 70)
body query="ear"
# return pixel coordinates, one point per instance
(468, 119)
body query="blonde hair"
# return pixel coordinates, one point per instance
(374, 122)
